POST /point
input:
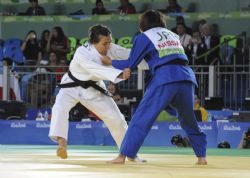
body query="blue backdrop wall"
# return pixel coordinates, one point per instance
(96, 133)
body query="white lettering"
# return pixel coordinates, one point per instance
(174, 127)
(155, 127)
(206, 127)
(17, 125)
(42, 125)
(83, 126)
(232, 128)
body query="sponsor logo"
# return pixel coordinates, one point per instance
(206, 127)
(232, 128)
(174, 127)
(17, 125)
(42, 125)
(83, 126)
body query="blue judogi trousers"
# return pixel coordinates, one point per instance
(179, 95)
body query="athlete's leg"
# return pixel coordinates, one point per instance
(106, 109)
(59, 121)
(184, 103)
(154, 100)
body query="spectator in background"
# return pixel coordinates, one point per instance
(58, 66)
(180, 19)
(31, 49)
(99, 8)
(185, 38)
(210, 41)
(197, 106)
(114, 90)
(195, 49)
(126, 7)
(43, 44)
(173, 7)
(52, 63)
(58, 43)
(61, 69)
(200, 24)
(35, 9)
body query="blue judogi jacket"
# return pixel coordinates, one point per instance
(159, 46)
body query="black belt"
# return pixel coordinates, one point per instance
(174, 62)
(177, 62)
(84, 84)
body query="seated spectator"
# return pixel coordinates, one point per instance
(197, 106)
(43, 67)
(52, 62)
(61, 70)
(195, 49)
(180, 19)
(126, 7)
(31, 49)
(200, 24)
(185, 38)
(99, 8)
(58, 66)
(58, 43)
(35, 9)
(114, 90)
(211, 41)
(173, 7)
(43, 44)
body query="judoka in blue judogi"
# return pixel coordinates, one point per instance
(172, 83)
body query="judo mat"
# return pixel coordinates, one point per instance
(25, 161)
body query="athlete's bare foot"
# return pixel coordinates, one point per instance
(137, 160)
(62, 148)
(120, 159)
(201, 161)
(62, 152)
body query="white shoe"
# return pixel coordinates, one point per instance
(137, 160)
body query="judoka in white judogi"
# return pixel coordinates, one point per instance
(86, 65)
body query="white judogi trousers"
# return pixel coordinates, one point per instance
(103, 106)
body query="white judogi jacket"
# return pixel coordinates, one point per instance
(87, 65)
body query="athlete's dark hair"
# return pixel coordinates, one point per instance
(151, 19)
(97, 30)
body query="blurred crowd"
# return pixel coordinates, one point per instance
(195, 40)
(52, 50)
